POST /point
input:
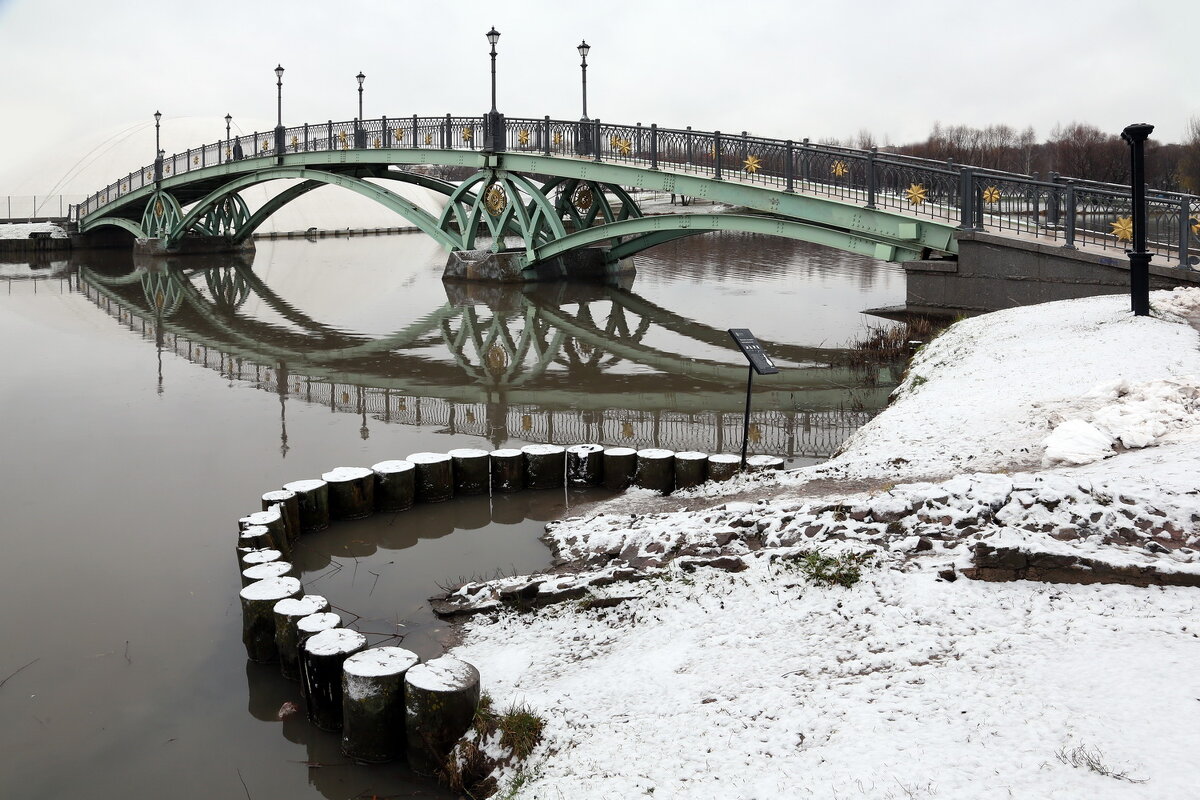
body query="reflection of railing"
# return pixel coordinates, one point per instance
(976, 199)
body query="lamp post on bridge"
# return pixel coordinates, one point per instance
(158, 153)
(494, 141)
(359, 134)
(583, 137)
(279, 143)
(1139, 260)
(228, 152)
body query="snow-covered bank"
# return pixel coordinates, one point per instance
(762, 684)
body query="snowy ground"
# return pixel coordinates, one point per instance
(1069, 428)
(21, 230)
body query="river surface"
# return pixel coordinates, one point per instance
(147, 406)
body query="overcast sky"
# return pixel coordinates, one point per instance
(77, 73)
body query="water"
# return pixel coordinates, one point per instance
(132, 447)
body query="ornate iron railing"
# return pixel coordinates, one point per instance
(1070, 211)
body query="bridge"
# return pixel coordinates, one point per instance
(542, 193)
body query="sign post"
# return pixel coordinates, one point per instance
(761, 363)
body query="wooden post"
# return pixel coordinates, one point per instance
(441, 697)
(258, 618)
(545, 466)
(394, 485)
(272, 520)
(373, 703)
(435, 477)
(471, 470)
(691, 469)
(287, 637)
(723, 466)
(619, 465)
(314, 504)
(508, 470)
(351, 492)
(270, 569)
(655, 470)
(290, 511)
(260, 555)
(585, 465)
(256, 537)
(762, 463)
(322, 656)
(306, 628)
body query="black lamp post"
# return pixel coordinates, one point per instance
(1139, 260)
(495, 133)
(158, 153)
(359, 134)
(279, 145)
(584, 48)
(228, 152)
(583, 135)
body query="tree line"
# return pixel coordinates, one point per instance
(1077, 150)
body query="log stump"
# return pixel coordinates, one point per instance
(545, 466)
(508, 470)
(290, 511)
(272, 520)
(655, 470)
(619, 466)
(306, 628)
(256, 537)
(322, 655)
(351, 492)
(762, 463)
(435, 477)
(269, 569)
(287, 637)
(258, 617)
(585, 465)
(441, 697)
(472, 471)
(723, 466)
(395, 485)
(373, 703)
(260, 555)
(691, 469)
(313, 496)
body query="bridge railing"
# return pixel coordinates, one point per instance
(1070, 211)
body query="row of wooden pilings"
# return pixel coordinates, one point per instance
(385, 703)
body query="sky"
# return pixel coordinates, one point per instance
(93, 73)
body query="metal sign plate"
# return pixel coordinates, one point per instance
(760, 362)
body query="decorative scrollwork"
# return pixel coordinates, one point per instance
(495, 199)
(266, 146)
(583, 198)
(523, 137)
(839, 168)
(752, 164)
(916, 194)
(195, 160)
(158, 208)
(429, 138)
(1123, 229)
(468, 133)
(295, 142)
(557, 138)
(342, 139)
(991, 195)
(399, 134)
(378, 143)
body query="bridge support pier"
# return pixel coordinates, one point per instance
(193, 245)
(584, 264)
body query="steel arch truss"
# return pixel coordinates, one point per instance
(161, 216)
(581, 202)
(495, 204)
(226, 217)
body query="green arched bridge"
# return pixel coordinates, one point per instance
(540, 190)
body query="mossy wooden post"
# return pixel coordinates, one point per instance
(259, 555)
(762, 463)
(723, 466)
(585, 465)
(306, 628)
(471, 469)
(508, 470)
(256, 537)
(395, 485)
(373, 703)
(351, 492)
(258, 617)
(655, 470)
(323, 655)
(691, 469)
(440, 698)
(619, 465)
(435, 477)
(545, 466)
(313, 495)
(290, 511)
(272, 520)
(287, 637)
(270, 569)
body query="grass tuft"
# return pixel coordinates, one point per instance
(471, 771)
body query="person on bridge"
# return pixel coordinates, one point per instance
(237, 151)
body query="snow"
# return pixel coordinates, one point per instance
(1068, 429)
(585, 449)
(307, 485)
(21, 230)
(505, 452)
(378, 661)
(445, 674)
(334, 641)
(321, 621)
(278, 496)
(467, 452)
(428, 458)
(261, 556)
(271, 589)
(655, 453)
(542, 449)
(346, 474)
(395, 465)
(302, 606)
(261, 518)
(268, 569)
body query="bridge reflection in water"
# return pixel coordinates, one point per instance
(563, 363)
